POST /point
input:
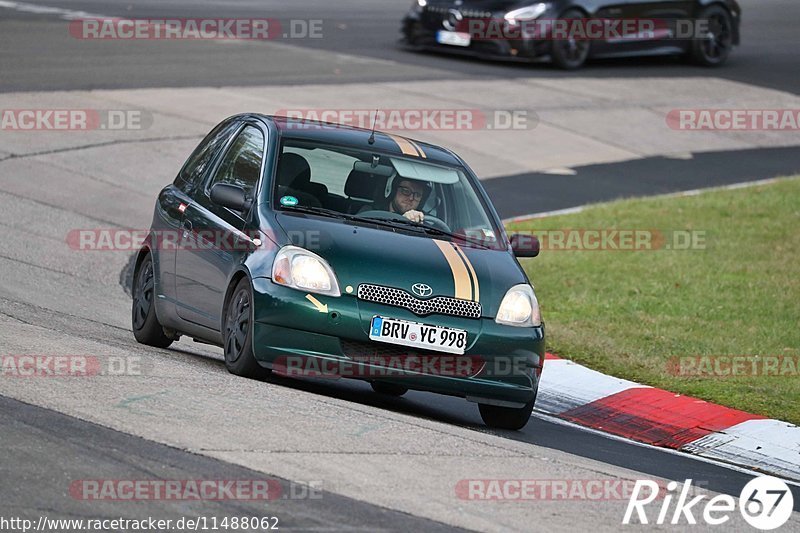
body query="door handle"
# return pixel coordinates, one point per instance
(187, 226)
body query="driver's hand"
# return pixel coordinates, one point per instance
(414, 216)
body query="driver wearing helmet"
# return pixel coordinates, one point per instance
(404, 197)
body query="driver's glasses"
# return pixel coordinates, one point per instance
(410, 193)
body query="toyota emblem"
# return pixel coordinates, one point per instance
(421, 290)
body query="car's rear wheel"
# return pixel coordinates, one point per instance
(238, 334)
(571, 54)
(144, 321)
(506, 417)
(713, 48)
(389, 389)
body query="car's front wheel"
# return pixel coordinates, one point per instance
(571, 54)
(144, 321)
(713, 48)
(238, 334)
(506, 417)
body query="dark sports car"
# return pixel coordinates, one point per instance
(314, 249)
(569, 32)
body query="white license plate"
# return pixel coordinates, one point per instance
(405, 333)
(453, 38)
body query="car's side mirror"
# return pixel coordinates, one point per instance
(230, 196)
(524, 244)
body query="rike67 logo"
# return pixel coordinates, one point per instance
(765, 503)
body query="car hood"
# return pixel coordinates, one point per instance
(487, 5)
(362, 254)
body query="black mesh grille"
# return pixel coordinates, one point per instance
(443, 305)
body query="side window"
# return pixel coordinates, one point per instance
(328, 168)
(242, 163)
(196, 166)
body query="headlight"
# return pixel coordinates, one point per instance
(526, 13)
(519, 307)
(300, 269)
(419, 6)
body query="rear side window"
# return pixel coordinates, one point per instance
(328, 167)
(241, 165)
(196, 166)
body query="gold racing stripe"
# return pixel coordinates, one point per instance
(461, 280)
(477, 292)
(419, 148)
(405, 145)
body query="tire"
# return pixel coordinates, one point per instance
(571, 54)
(144, 321)
(389, 389)
(506, 417)
(713, 49)
(238, 334)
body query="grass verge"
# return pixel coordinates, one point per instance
(642, 314)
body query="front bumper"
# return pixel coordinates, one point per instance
(418, 33)
(506, 361)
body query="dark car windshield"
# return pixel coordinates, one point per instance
(381, 187)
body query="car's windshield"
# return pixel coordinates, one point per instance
(382, 187)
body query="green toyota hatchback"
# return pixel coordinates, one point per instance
(320, 250)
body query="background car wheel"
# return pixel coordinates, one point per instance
(571, 54)
(238, 334)
(390, 389)
(713, 49)
(144, 322)
(506, 417)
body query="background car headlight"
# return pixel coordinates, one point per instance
(300, 269)
(526, 13)
(519, 307)
(419, 6)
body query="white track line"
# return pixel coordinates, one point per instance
(66, 14)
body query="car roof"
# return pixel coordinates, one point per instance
(340, 134)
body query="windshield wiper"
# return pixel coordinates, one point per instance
(386, 222)
(317, 211)
(432, 229)
(382, 221)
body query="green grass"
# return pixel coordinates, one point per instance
(627, 313)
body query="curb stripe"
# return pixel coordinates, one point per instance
(656, 416)
(630, 411)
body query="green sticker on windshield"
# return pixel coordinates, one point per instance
(289, 201)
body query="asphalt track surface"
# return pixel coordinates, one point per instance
(42, 448)
(47, 448)
(664, 175)
(42, 56)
